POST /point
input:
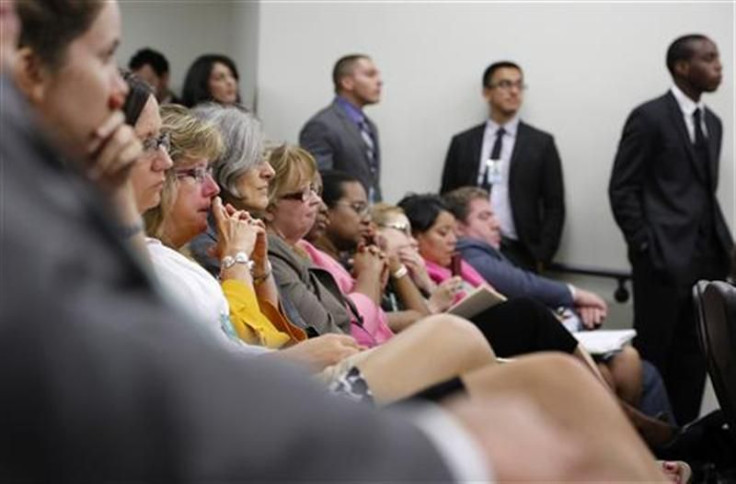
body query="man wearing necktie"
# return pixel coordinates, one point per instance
(340, 136)
(663, 195)
(520, 167)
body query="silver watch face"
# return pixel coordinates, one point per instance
(241, 258)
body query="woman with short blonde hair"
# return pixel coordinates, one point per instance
(189, 139)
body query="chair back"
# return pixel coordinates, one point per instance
(715, 306)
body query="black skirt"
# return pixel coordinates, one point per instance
(523, 325)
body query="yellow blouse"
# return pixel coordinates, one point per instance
(256, 321)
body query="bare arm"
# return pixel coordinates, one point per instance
(368, 267)
(113, 152)
(265, 284)
(320, 352)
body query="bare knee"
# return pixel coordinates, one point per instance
(626, 370)
(628, 356)
(559, 369)
(460, 335)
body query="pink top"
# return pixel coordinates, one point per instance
(374, 330)
(470, 276)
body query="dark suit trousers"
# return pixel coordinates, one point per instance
(664, 318)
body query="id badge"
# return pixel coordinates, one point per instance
(493, 172)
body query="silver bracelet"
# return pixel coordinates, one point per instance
(400, 272)
(240, 258)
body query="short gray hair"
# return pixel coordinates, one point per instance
(243, 137)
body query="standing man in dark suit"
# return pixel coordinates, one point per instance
(522, 165)
(662, 193)
(341, 137)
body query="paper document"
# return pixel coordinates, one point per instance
(476, 302)
(604, 341)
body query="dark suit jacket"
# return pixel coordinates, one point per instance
(659, 193)
(335, 142)
(102, 380)
(536, 188)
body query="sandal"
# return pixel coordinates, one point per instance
(676, 470)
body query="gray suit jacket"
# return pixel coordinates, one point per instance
(312, 291)
(510, 280)
(335, 142)
(102, 380)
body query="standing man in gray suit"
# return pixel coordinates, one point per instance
(340, 136)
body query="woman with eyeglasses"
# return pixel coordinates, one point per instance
(241, 172)
(148, 174)
(323, 303)
(393, 236)
(188, 196)
(347, 249)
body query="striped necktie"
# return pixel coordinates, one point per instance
(370, 145)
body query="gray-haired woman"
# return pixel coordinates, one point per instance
(242, 172)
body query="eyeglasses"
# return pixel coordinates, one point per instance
(360, 208)
(199, 173)
(400, 226)
(506, 85)
(302, 195)
(155, 142)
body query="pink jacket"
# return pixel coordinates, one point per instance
(374, 329)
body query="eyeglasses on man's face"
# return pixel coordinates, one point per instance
(506, 85)
(302, 195)
(155, 142)
(199, 173)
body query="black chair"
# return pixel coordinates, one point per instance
(715, 306)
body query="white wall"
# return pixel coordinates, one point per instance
(587, 65)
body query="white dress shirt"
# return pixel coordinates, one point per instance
(500, 190)
(688, 107)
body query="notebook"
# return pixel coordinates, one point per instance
(480, 299)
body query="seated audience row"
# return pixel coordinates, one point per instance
(135, 383)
